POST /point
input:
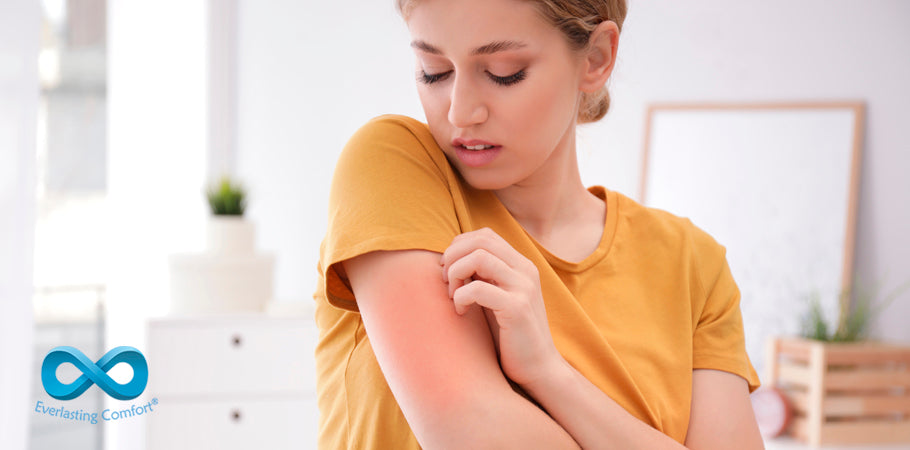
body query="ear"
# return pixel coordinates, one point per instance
(599, 56)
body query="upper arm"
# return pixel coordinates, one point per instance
(721, 416)
(441, 367)
(401, 296)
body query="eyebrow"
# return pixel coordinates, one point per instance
(492, 47)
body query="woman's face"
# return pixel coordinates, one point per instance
(495, 72)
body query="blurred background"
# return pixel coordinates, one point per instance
(114, 114)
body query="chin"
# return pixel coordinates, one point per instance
(488, 181)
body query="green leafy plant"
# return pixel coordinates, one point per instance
(854, 318)
(814, 325)
(226, 197)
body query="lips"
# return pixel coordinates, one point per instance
(477, 158)
(460, 142)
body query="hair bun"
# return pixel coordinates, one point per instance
(594, 106)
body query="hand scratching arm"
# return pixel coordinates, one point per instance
(442, 367)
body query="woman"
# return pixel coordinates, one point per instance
(474, 294)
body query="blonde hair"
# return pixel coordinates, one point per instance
(576, 19)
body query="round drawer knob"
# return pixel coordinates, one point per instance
(235, 415)
(236, 340)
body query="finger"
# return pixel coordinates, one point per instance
(493, 326)
(478, 264)
(486, 239)
(480, 293)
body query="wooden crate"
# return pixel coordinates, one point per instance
(851, 393)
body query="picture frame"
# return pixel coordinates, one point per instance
(777, 185)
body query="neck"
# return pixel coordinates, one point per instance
(554, 197)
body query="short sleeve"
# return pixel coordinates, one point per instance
(390, 191)
(719, 340)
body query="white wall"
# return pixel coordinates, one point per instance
(157, 128)
(311, 72)
(19, 26)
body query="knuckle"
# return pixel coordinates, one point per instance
(488, 235)
(480, 257)
(527, 285)
(531, 268)
(483, 241)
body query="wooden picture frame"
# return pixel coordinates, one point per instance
(777, 184)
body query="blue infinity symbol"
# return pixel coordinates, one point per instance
(94, 373)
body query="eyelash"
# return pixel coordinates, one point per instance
(426, 78)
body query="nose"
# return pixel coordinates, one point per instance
(466, 106)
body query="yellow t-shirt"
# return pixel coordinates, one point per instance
(653, 302)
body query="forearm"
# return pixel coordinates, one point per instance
(593, 419)
(505, 420)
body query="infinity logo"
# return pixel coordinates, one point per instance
(94, 373)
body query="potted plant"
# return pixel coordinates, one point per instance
(226, 198)
(228, 231)
(230, 275)
(843, 387)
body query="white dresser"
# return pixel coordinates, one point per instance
(232, 382)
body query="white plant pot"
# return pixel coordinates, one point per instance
(229, 276)
(208, 283)
(232, 235)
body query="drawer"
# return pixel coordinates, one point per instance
(226, 357)
(234, 424)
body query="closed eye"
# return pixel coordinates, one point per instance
(427, 78)
(516, 77)
(511, 79)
